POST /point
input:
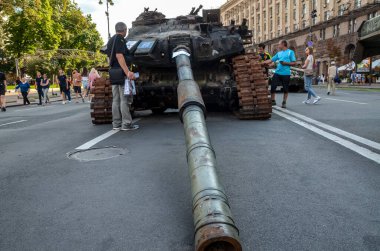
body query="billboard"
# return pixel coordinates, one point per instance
(364, 66)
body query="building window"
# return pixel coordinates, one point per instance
(372, 15)
(341, 10)
(327, 15)
(295, 26)
(327, 2)
(286, 18)
(303, 10)
(270, 12)
(278, 9)
(294, 2)
(286, 3)
(278, 20)
(265, 14)
(351, 26)
(303, 24)
(295, 14)
(286, 30)
(336, 30)
(358, 3)
(322, 34)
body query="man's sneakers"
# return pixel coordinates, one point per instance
(316, 100)
(130, 127)
(307, 101)
(3, 109)
(283, 104)
(274, 103)
(328, 93)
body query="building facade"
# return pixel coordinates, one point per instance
(333, 31)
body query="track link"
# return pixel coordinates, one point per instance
(101, 103)
(252, 86)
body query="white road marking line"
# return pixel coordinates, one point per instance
(347, 101)
(102, 137)
(345, 143)
(11, 123)
(95, 141)
(338, 131)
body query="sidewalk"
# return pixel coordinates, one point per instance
(372, 87)
(15, 99)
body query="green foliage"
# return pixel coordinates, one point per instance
(30, 26)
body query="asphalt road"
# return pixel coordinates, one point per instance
(290, 188)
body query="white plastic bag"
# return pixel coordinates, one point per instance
(129, 87)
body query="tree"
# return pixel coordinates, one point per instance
(34, 25)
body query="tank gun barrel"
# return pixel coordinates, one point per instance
(198, 9)
(213, 222)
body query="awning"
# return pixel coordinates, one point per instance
(375, 64)
(347, 67)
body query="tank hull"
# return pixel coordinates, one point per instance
(157, 89)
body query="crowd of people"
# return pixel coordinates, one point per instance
(42, 84)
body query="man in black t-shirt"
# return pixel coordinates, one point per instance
(63, 85)
(117, 50)
(39, 87)
(3, 88)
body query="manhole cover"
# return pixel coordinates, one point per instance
(96, 154)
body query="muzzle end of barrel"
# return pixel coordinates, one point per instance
(219, 237)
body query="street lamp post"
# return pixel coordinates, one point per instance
(108, 2)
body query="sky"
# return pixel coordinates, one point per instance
(127, 11)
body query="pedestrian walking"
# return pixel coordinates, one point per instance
(323, 78)
(68, 92)
(116, 51)
(3, 89)
(45, 85)
(24, 89)
(92, 77)
(18, 81)
(308, 77)
(284, 59)
(85, 83)
(77, 83)
(331, 75)
(39, 87)
(63, 85)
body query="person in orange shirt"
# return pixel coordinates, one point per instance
(77, 83)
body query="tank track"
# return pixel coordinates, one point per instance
(252, 87)
(101, 103)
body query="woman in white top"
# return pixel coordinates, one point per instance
(308, 77)
(85, 82)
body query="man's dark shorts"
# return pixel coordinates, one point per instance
(62, 88)
(2, 90)
(77, 89)
(282, 80)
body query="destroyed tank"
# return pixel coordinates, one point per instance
(229, 78)
(192, 63)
